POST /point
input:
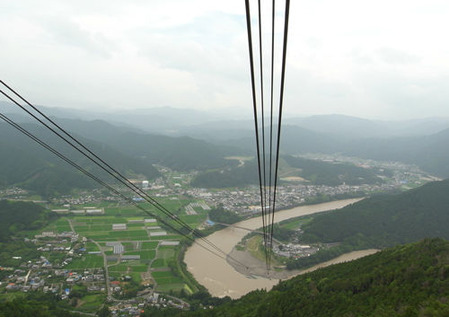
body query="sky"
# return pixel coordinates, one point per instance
(372, 59)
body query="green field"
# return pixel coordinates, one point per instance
(166, 280)
(295, 223)
(159, 263)
(135, 239)
(60, 225)
(91, 247)
(92, 302)
(149, 245)
(88, 261)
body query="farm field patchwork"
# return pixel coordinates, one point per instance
(137, 246)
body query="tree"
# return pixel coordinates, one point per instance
(104, 312)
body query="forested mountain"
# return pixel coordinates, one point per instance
(359, 128)
(388, 219)
(238, 176)
(333, 174)
(430, 152)
(180, 153)
(421, 142)
(219, 124)
(314, 172)
(30, 166)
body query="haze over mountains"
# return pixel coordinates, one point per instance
(191, 122)
(186, 140)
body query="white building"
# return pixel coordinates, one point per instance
(119, 226)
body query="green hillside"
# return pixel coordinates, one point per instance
(313, 171)
(429, 152)
(379, 222)
(232, 177)
(28, 165)
(179, 153)
(19, 216)
(325, 173)
(408, 280)
(17, 219)
(387, 220)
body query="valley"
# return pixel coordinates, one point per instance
(117, 250)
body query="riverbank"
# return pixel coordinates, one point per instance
(256, 268)
(222, 279)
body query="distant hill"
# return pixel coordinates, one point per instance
(160, 120)
(333, 174)
(239, 176)
(179, 153)
(28, 165)
(421, 142)
(378, 222)
(387, 220)
(430, 153)
(359, 128)
(313, 171)
(340, 125)
(223, 124)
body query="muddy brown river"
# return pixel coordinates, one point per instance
(221, 279)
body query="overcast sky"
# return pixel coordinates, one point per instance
(373, 59)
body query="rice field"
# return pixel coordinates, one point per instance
(135, 239)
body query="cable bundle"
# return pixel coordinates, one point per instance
(267, 87)
(121, 186)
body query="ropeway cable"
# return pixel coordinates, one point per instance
(113, 172)
(281, 105)
(256, 124)
(136, 190)
(109, 187)
(267, 190)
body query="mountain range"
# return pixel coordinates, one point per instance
(129, 144)
(32, 167)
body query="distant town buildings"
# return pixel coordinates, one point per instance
(84, 211)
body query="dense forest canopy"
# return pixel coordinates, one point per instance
(17, 217)
(387, 220)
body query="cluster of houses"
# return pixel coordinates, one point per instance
(295, 251)
(136, 306)
(37, 276)
(247, 201)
